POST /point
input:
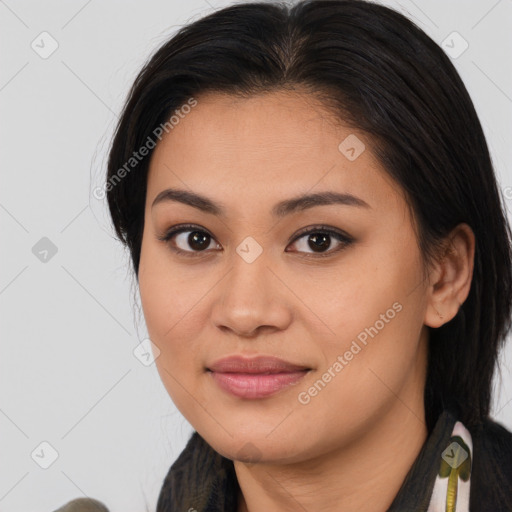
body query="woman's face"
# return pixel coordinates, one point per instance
(250, 281)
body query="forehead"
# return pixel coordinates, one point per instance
(274, 120)
(273, 143)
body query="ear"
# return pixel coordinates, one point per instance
(450, 277)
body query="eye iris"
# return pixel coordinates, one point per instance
(197, 240)
(320, 241)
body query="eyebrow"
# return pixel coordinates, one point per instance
(281, 209)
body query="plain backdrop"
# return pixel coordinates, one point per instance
(73, 396)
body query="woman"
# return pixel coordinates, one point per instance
(323, 259)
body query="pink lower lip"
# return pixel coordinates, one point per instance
(256, 385)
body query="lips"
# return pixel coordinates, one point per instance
(259, 364)
(256, 377)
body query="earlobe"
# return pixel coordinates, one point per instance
(451, 277)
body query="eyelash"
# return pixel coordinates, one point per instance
(342, 237)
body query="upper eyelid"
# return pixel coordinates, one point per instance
(178, 229)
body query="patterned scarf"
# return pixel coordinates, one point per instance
(453, 480)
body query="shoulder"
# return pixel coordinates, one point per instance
(491, 475)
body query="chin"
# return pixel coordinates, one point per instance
(252, 447)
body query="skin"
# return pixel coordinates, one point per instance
(352, 445)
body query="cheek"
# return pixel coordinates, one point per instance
(167, 301)
(374, 319)
(156, 296)
(354, 300)
(366, 371)
(167, 294)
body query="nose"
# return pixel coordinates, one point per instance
(251, 299)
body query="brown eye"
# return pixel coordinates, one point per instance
(319, 241)
(198, 240)
(192, 241)
(188, 240)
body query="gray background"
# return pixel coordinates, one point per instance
(70, 320)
